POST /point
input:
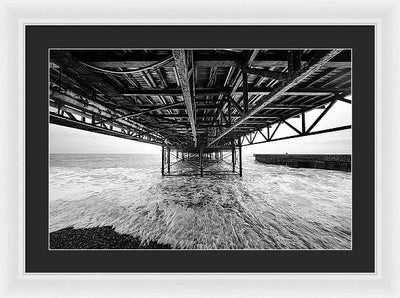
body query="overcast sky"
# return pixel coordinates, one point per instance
(69, 140)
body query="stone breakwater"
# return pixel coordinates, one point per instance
(339, 162)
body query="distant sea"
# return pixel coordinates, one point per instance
(270, 207)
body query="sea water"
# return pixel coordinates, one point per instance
(270, 207)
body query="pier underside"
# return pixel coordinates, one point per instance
(201, 106)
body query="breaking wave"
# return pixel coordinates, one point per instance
(270, 207)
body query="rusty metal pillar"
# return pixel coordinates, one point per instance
(169, 160)
(240, 161)
(162, 160)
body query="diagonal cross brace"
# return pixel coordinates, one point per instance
(293, 80)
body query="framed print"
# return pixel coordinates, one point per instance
(236, 157)
(205, 104)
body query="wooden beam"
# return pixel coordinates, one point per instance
(314, 64)
(183, 75)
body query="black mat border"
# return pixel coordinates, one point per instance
(38, 39)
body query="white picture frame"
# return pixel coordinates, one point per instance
(384, 15)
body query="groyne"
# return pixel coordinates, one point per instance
(340, 162)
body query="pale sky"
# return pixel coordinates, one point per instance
(70, 140)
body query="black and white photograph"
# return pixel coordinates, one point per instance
(200, 149)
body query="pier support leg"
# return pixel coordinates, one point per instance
(240, 161)
(169, 160)
(233, 159)
(201, 162)
(162, 160)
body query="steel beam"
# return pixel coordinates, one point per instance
(207, 62)
(294, 60)
(295, 79)
(250, 58)
(183, 75)
(94, 108)
(240, 161)
(61, 120)
(245, 93)
(236, 105)
(168, 106)
(201, 162)
(169, 160)
(276, 75)
(339, 128)
(303, 122)
(162, 160)
(233, 156)
(321, 115)
(226, 91)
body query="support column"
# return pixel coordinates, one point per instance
(233, 159)
(201, 162)
(240, 161)
(162, 160)
(169, 160)
(303, 123)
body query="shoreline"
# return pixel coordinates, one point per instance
(103, 237)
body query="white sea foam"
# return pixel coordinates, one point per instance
(271, 207)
